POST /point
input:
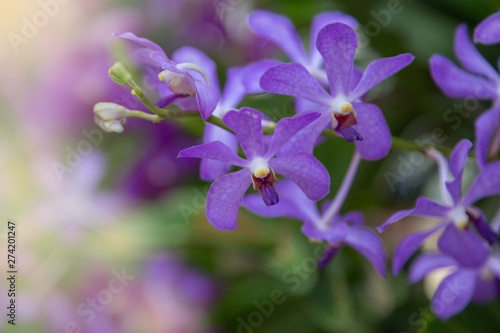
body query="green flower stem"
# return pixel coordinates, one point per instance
(398, 142)
(161, 114)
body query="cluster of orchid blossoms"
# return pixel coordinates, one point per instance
(329, 93)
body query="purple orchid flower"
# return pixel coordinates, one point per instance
(342, 108)
(184, 79)
(226, 193)
(339, 231)
(240, 82)
(488, 31)
(281, 31)
(479, 80)
(457, 212)
(476, 280)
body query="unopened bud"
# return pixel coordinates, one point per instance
(110, 116)
(119, 73)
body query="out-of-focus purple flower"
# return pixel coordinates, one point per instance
(479, 80)
(342, 108)
(240, 82)
(477, 281)
(168, 296)
(488, 31)
(281, 31)
(184, 79)
(341, 230)
(456, 212)
(155, 168)
(209, 25)
(75, 204)
(226, 193)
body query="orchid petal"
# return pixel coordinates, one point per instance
(206, 97)
(247, 125)
(337, 43)
(408, 246)
(454, 293)
(253, 72)
(214, 150)
(234, 89)
(369, 245)
(211, 169)
(224, 198)
(486, 290)
(485, 126)
(306, 171)
(280, 30)
(488, 31)
(354, 217)
(333, 234)
(294, 80)
(455, 82)
(379, 70)
(427, 262)
(457, 164)
(319, 21)
(194, 56)
(469, 56)
(424, 207)
(464, 246)
(293, 203)
(156, 53)
(372, 126)
(305, 140)
(286, 128)
(487, 184)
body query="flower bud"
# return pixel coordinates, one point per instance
(110, 116)
(119, 73)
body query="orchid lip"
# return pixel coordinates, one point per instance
(265, 186)
(342, 124)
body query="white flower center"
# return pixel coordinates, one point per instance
(259, 167)
(341, 105)
(459, 217)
